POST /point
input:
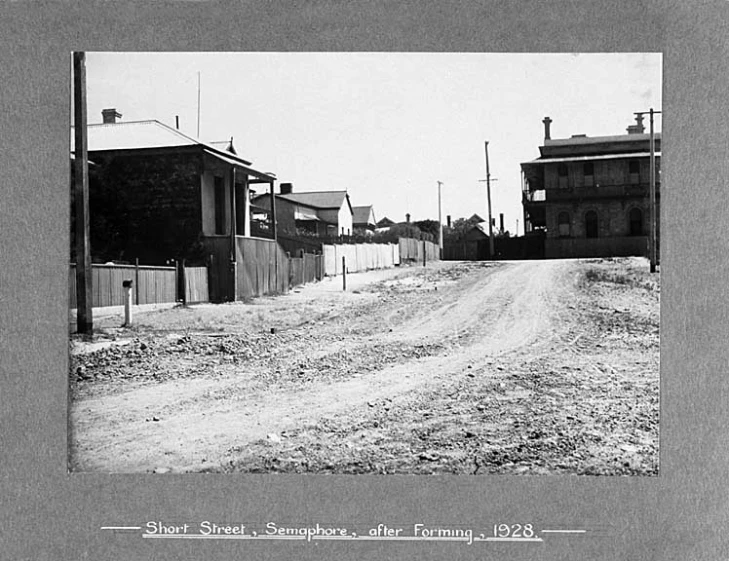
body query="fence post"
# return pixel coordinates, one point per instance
(183, 282)
(424, 252)
(136, 279)
(127, 284)
(344, 273)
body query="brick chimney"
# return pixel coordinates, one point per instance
(110, 116)
(547, 122)
(638, 127)
(287, 188)
(407, 218)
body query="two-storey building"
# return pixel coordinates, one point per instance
(590, 195)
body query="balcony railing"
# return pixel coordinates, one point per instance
(598, 192)
(539, 196)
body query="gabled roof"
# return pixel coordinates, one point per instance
(319, 199)
(361, 214)
(135, 135)
(226, 145)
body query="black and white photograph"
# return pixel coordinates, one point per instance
(364, 281)
(365, 263)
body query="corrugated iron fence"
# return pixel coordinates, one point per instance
(305, 268)
(196, 285)
(412, 250)
(151, 285)
(262, 266)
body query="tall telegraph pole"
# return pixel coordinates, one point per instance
(84, 315)
(653, 208)
(488, 196)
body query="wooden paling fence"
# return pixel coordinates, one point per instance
(261, 267)
(151, 285)
(359, 257)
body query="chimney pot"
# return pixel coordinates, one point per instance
(547, 122)
(110, 115)
(638, 127)
(407, 218)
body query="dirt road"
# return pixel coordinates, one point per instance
(452, 368)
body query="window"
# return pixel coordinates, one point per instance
(562, 176)
(219, 194)
(634, 172)
(563, 220)
(635, 222)
(591, 224)
(589, 172)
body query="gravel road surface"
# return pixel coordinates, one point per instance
(531, 367)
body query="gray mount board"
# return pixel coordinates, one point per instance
(46, 513)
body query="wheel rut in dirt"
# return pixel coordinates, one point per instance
(189, 424)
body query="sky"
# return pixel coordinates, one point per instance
(386, 127)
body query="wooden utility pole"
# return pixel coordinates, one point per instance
(84, 314)
(275, 234)
(488, 196)
(653, 207)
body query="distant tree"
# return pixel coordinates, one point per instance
(459, 228)
(429, 227)
(402, 230)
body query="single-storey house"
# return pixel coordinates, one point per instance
(363, 220)
(318, 213)
(157, 194)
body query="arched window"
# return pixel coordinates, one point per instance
(591, 224)
(635, 222)
(563, 220)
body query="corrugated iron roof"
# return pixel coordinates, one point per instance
(361, 214)
(318, 199)
(582, 140)
(548, 160)
(135, 135)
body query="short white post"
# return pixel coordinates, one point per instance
(127, 284)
